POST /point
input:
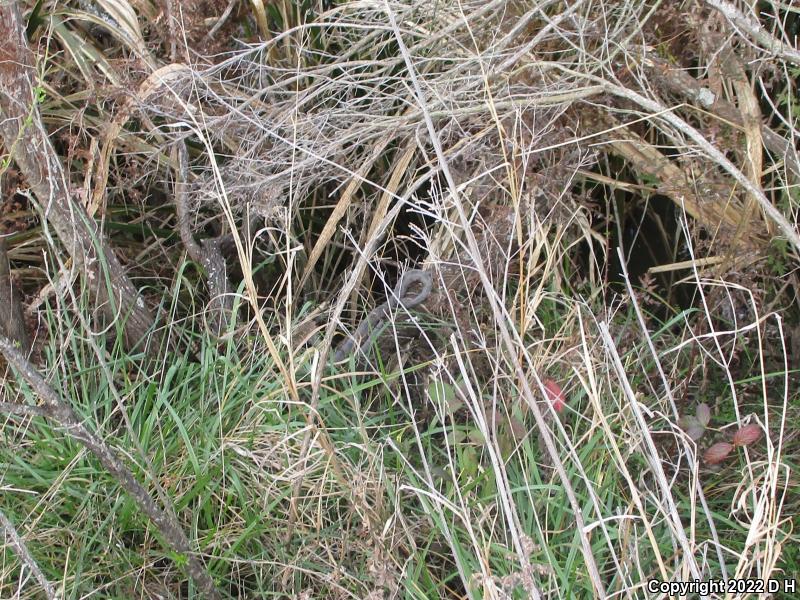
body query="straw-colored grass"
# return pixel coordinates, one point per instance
(505, 148)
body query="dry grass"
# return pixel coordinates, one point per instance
(501, 147)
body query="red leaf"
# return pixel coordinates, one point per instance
(555, 395)
(747, 435)
(717, 453)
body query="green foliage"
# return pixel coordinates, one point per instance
(429, 481)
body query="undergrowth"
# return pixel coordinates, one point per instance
(599, 389)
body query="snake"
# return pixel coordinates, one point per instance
(371, 327)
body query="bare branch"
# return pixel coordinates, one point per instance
(680, 82)
(56, 409)
(27, 140)
(25, 556)
(753, 28)
(206, 253)
(12, 322)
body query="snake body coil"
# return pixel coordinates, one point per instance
(370, 328)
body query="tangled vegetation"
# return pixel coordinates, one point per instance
(398, 299)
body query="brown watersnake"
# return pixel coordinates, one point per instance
(372, 325)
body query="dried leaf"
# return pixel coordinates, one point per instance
(692, 426)
(703, 414)
(444, 393)
(456, 436)
(747, 435)
(717, 453)
(475, 436)
(469, 461)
